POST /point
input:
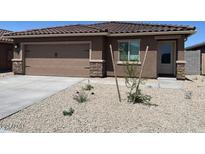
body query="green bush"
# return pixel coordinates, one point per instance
(188, 95)
(81, 96)
(138, 97)
(88, 87)
(133, 83)
(69, 112)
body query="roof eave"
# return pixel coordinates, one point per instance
(57, 35)
(6, 42)
(155, 33)
(196, 46)
(103, 34)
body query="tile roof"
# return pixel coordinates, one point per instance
(2, 39)
(130, 27)
(68, 29)
(105, 27)
(199, 45)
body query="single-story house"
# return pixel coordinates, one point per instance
(83, 50)
(199, 47)
(6, 52)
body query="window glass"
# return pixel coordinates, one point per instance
(165, 50)
(123, 48)
(134, 51)
(129, 50)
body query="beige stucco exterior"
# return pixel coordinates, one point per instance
(100, 58)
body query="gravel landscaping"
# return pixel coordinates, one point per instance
(171, 111)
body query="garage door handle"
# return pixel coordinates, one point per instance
(87, 67)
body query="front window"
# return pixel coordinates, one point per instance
(129, 50)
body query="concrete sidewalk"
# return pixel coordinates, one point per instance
(167, 83)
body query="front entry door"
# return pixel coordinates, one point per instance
(166, 56)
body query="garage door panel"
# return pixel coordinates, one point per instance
(54, 62)
(63, 51)
(57, 72)
(58, 60)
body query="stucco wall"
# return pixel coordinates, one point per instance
(150, 69)
(180, 49)
(101, 51)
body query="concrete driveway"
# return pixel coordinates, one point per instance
(18, 92)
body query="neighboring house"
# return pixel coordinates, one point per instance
(199, 47)
(83, 50)
(6, 52)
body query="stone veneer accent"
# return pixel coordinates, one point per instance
(180, 70)
(97, 68)
(17, 66)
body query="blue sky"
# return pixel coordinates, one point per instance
(25, 25)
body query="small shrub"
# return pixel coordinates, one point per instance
(81, 96)
(88, 87)
(69, 112)
(188, 95)
(138, 97)
(133, 83)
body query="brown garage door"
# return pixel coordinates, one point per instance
(57, 59)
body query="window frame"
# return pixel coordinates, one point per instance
(129, 42)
